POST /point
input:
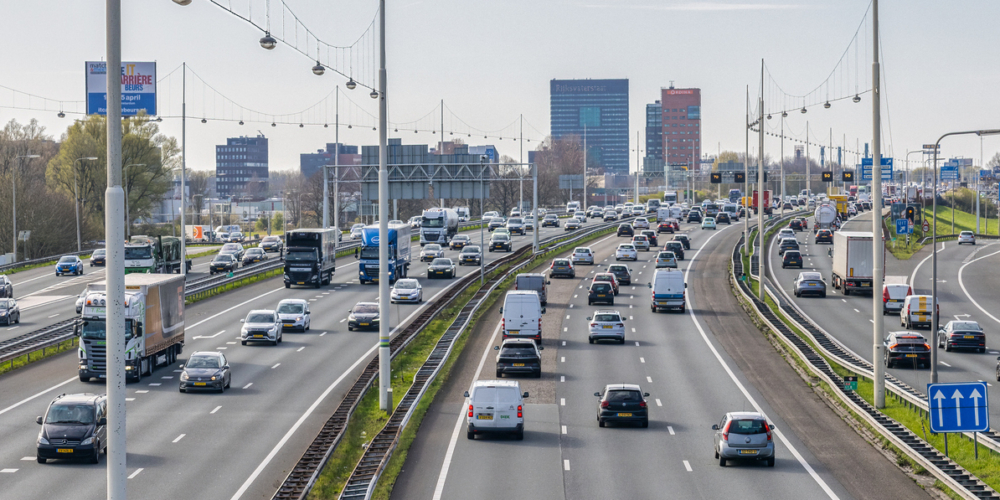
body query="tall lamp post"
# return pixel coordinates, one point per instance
(934, 249)
(128, 218)
(13, 200)
(76, 198)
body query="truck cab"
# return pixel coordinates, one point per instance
(310, 257)
(438, 225)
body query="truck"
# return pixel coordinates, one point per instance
(399, 253)
(463, 213)
(652, 205)
(438, 225)
(310, 257)
(840, 202)
(853, 268)
(156, 255)
(669, 197)
(662, 214)
(825, 215)
(199, 233)
(154, 326)
(767, 202)
(735, 195)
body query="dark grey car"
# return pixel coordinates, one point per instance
(10, 313)
(787, 244)
(205, 370)
(6, 287)
(809, 283)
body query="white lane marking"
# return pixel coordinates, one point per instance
(633, 330)
(961, 284)
(25, 459)
(217, 408)
(136, 473)
(129, 399)
(687, 465)
(29, 398)
(658, 403)
(563, 431)
(567, 316)
(945, 364)
(562, 401)
(746, 394)
(231, 342)
(143, 391)
(670, 429)
(167, 377)
(223, 348)
(564, 342)
(565, 329)
(565, 464)
(13, 328)
(276, 365)
(208, 336)
(300, 349)
(642, 359)
(248, 385)
(843, 300)
(637, 344)
(575, 296)
(178, 438)
(913, 275)
(155, 384)
(343, 320)
(562, 359)
(562, 378)
(649, 379)
(631, 317)
(54, 315)
(322, 334)
(857, 311)
(8, 471)
(571, 306)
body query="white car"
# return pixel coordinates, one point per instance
(356, 231)
(514, 212)
(786, 233)
(261, 325)
(607, 325)
(294, 314)
(415, 222)
(626, 251)
(582, 255)
(640, 223)
(638, 210)
(640, 242)
(572, 224)
(489, 215)
(966, 237)
(407, 290)
(430, 252)
(708, 223)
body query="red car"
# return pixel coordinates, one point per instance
(607, 277)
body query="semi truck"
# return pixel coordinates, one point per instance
(840, 202)
(156, 255)
(154, 326)
(399, 253)
(438, 225)
(767, 202)
(853, 268)
(310, 257)
(826, 215)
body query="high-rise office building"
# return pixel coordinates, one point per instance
(237, 163)
(598, 108)
(653, 162)
(681, 110)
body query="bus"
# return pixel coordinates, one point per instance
(670, 197)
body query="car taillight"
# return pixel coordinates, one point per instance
(503, 323)
(470, 410)
(927, 346)
(725, 432)
(767, 428)
(539, 324)
(885, 295)
(893, 346)
(620, 324)
(909, 291)
(642, 404)
(519, 411)
(593, 324)
(605, 404)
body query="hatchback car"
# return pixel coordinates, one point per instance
(99, 257)
(253, 256)
(69, 264)
(723, 217)
(470, 254)
(459, 242)
(573, 224)
(650, 237)
(294, 314)
(622, 403)
(676, 247)
(562, 267)
(610, 278)
(962, 335)
(824, 236)
(6, 287)
(223, 263)
(708, 223)
(582, 255)
(743, 436)
(626, 251)
(205, 370)
(625, 229)
(74, 427)
(550, 220)
(600, 292)
(607, 325)
(640, 243)
(640, 223)
(500, 241)
(666, 260)
(809, 283)
(906, 347)
(364, 315)
(787, 244)
(261, 325)
(515, 225)
(10, 312)
(406, 290)
(791, 258)
(495, 223)
(665, 227)
(519, 357)
(694, 216)
(804, 222)
(795, 225)
(233, 248)
(441, 268)
(785, 232)
(271, 244)
(430, 252)
(683, 238)
(967, 237)
(622, 273)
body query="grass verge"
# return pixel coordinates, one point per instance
(964, 221)
(38, 355)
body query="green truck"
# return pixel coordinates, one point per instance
(154, 255)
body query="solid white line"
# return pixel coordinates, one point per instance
(217, 408)
(563, 431)
(276, 365)
(687, 465)
(248, 385)
(961, 284)
(136, 473)
(565, 464)
(178, 438)
(913, 275)
(29, 398)
(54, 315)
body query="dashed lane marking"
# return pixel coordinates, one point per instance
(136, 473)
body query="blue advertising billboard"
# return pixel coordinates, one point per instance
(138, 88)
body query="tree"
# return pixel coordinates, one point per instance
(197, 183)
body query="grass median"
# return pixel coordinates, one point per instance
(37, 355)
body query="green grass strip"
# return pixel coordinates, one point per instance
(38, 355)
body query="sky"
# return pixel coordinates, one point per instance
(491, 63)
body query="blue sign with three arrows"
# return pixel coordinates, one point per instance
(961, 407)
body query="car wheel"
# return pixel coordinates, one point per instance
(499, 374)
(244, 342)
(645, 424)
(947, 347)
(350, 328)
(716, 454)
(600, 422)
(97, 454)
(470, 435)
(770, 462)
(722, 462)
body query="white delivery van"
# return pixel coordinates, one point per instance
(677, 212)
(917, 311)
(668, 291)
(663, 213)
(522, 315)
(495, 406)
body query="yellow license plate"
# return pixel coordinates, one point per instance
(513, 332)
(302, 282)
(199, 383)
(518, 364)
(607, 327)
(439, 272)
(970, 337)
(624, 414)
(364, 324)
(64, 450)
(866, 284)
(484, 417)
(599, 295)
(911, 355)
(258, 336)
(748, 452)
(286, 325)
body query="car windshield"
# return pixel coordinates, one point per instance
(260, 318)
(301, 256)
(966, 325)
(407, 284)
(515, 221)
(500, 237)
(70, 414)
(435, 222)
(551, 217)
(600, 287)
(665, 255)
(603, 277)
(70, 260)
(255, 251)
(626, 247)
(581, 250)
(561, 262)
(618, 269)
(365, 309)
(4, 304)
(791, 254)
(471, 250)
(623, 396)
(460, 238)
(269, 239)
(223, 257)
(639, 239)
(607, 317)
(748, 426)
(673, 244)
(134, 253)
(291, 308)
(432, 248)
(441, 262)
(517, 351)
(99, 253)
(203, 362)
(966, 233)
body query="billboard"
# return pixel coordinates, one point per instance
(138, 87)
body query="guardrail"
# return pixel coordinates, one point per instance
(950, 473)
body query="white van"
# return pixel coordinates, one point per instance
(495, 406)
(894, 293)
(917, 311)
(668, 291)
(663, 213)
(522, 315)
(677, 212)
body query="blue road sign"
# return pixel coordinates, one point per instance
(985, 174)
(868, 162)
(961, 407)
(903, 226)
(949, 173)
(996, 170)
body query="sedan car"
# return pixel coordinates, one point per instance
(809, 283)
(6, 287)
(676, 247)
(610, 278)
(622, 403)
(600, 291)
(626, 251)
(519, 357)
(261, 325)
(406, 290)
(907, 347)
(665, 227)
(708, 223)
(356, 231)
(233, 248)
(723, 217)
(640, 243)
(500, 241)
(824, 236)
(640, 223)
(205, 370)
(271, 244)
(99, 257)
(253, 256)
(10, 313)
(787, 244)
(743, 435)
(683, 238)
(791, 258)
(572, 224)
(294, 314)
(471, 254)
(962, 335)
(694, 216)
(529, 224)
(459, 242)
(966, 237)
(515, 225)
(441, 268)
(582, 255)
(607, 325)
(622, 273)
(562, 267)
(223, 263)
(625, 229)
(364, 315)
(69, 264)
(666, 260)
(550, 220)
(430, 252)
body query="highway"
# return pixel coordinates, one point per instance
(234, 445)
(695, 365)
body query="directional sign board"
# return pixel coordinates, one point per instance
(866, 169)
(850, 383)
(961, 407)
(903, 227)
(949, 172)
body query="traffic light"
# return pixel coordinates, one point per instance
(716, 178)
(827, 176)
(911, 214)
(739, 177)
(848, 176)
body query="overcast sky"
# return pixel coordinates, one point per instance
(492, 61)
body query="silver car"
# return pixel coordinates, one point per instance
(407, 290)
(294, 314)
(582, 255)
(607, 325)
(743, 435)
(261, 326)
(430, 252)
(810, 283)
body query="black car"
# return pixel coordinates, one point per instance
(364, 315)
(253, 256)
(622, 403)
(99, 258)
(441, 267)
(907, 347)
(684, 241)
(470, 254)
(824, 236)
(223, 263)
(787, 206)
(795, 225)
(722, 217)
(10, 313)
(205, 371)
(665, 227)
(791, 258)
(650, 236)
(562, 267)
(676, 247)
(622, 273)
(519, 357)
(694, 216)
(6, 287)
(625, 229)
(602, 292)
(962, 335)
(787, 244)
(74, 427)
(550, 221)
(500, 241)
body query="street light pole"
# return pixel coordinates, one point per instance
(482, 237)
(13, 202)
(878, 247)
(762, 207)
(385, 368)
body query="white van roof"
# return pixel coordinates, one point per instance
(497, 383)
(522, 292)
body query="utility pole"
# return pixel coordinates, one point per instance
(635, 198)
(584, 204)
(385, 366)
(808, 179)
(746, 180)
(183, 166)
(761, 206)
(534, 208)
(520, 174)
(878, 247)
(782, 148)
(336, 170)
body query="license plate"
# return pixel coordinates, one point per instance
(893, 300)
(602, 295)
(517, 364)
(288, 325)
(969, 337)
(607, 327)
(911, 355)
(748, 452)
(661, 303)
(438, 272)
(484, 417)
(302, 282)
(866, 284)
(199, 383)
(258, 336)
(813, 284)
(513, 332)
(363, 324)
(624, 414)
(64, 450)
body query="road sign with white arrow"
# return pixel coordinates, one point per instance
(961, 407)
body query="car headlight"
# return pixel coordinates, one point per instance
(300, 318)
(184, 376)
(214, 377)
(243, 331)
(87, 441)
(351, 318)
(42, 440)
